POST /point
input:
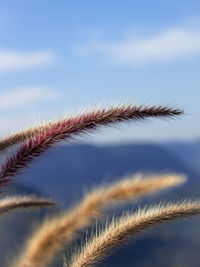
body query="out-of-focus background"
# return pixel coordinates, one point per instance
(60, 57)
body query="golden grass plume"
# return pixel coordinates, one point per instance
(126, 226)
(9, 204)
(50, 237)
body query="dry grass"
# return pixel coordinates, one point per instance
(88, 121)
(50, 134)
(9, 204)
(50, 237)
(119, 230)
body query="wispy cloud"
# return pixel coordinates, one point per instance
(166, 46)
(25, 96)
(18, 60)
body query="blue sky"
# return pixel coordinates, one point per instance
(61, 56)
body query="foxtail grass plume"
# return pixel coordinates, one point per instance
(9, 204)
(51, 236)
(89, 120)
(65, 129)
(127, 226)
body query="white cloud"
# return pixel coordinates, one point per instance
(165, 46)
(15, 60)
(24, 97)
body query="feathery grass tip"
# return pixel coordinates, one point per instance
(50, 237)
(43, 138)
(9, 204)
(126, 226)
(90, 120)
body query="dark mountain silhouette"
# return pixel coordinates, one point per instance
(188, 152)
(64, 172)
